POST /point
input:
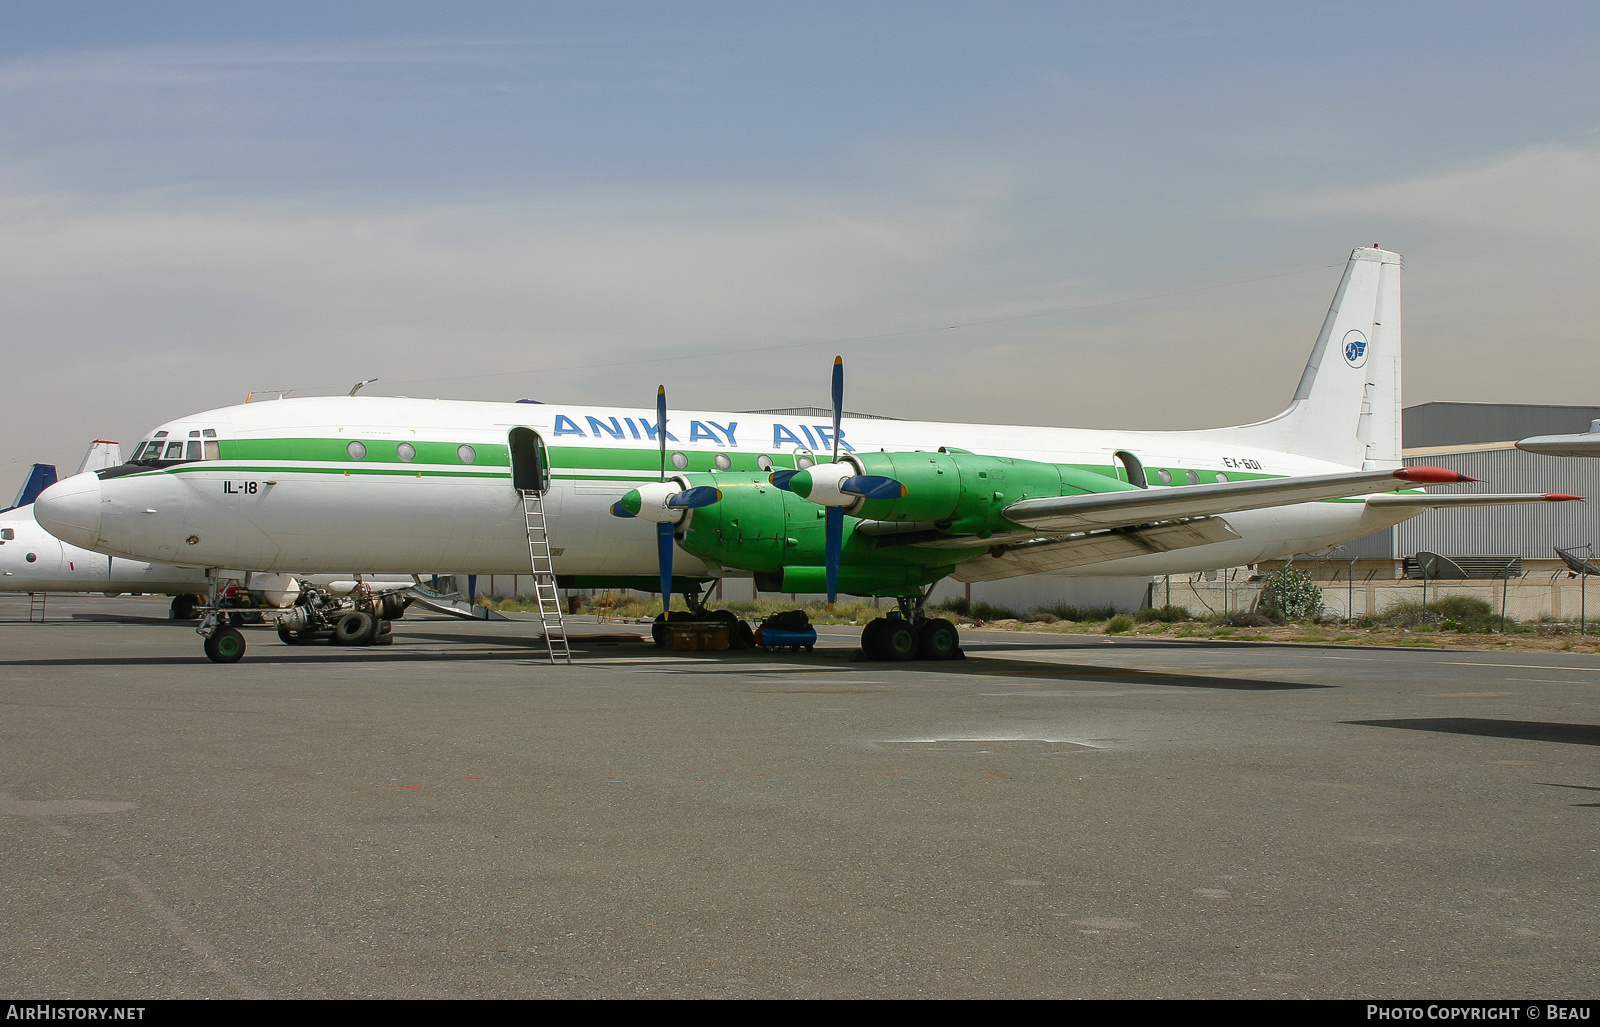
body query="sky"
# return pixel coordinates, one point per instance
(1105, 215)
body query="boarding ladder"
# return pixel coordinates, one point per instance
(36, 606)
(544, 578)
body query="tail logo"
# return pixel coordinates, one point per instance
(1355, 348)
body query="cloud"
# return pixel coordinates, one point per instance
(1548, 192)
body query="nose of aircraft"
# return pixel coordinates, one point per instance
(70, 510)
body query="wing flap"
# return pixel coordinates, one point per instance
(1059, 553)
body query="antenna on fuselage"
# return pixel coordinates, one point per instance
(357, 386)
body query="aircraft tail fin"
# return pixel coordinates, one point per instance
(101, 454)
(1346, 409)
(40, 477)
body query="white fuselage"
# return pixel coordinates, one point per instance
(324, 485)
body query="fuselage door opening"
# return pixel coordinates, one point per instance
(1134, 468)
(530, 461)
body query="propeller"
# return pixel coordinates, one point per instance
(835, 486)
(834, 539)
(663, 529)
(664, 502)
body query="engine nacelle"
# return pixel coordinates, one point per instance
(648, 502)
(965, 493)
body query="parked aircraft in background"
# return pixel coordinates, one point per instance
(33, 560)
(868, 507)
(1585, 444)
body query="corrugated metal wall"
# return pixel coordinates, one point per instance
(1531, 531)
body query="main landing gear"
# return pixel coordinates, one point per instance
(909, 634)
(740, 634)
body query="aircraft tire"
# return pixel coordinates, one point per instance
(871, 636)
(659, 632)
(183, 607)
(937, 640)
(288, 637)
(898, 642)
(355, 628)
(225, 645)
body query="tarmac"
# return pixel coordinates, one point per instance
(1054, 816)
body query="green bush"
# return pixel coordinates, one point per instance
(1164, 614)
(1079, 613)
(958, 606)
(1462, 608)
(1291, 594)
(1407, 613)
(988, 611)
(1118, 624)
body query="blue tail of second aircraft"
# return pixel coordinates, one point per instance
(40, 477)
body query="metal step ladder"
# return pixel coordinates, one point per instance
(36, 606)
(544, 579)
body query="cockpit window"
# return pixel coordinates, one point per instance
(174, 451)
(193, 450)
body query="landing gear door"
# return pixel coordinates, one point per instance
(530, 461)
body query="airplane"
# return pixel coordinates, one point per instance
(1583, 444)
(864, 506)
(32, 560)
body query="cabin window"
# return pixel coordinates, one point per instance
(723, 461)
(1221, 476)
(680, 461)
(1164, 476)
(357, 451)
(1191, 477)
(467, 454)
(764, 463)
(803, 460)
(406, 451)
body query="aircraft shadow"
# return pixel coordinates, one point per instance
(1529, 730)
(1001, 668)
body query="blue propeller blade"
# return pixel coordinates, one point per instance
(664, 555)
(661, 426)
(838, 403)
(834, 547)
(781, 478)
(695, 498)
(873, 486)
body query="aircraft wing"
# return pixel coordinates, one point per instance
(1430, 501)
(1143, 506)
(1070, 531)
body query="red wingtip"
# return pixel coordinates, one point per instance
(1561, 497)
(1425, 475)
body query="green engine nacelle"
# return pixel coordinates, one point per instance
(964, 493)
(761, 528)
